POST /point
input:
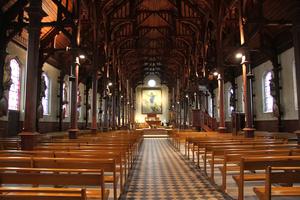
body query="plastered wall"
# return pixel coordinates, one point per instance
(288, 91)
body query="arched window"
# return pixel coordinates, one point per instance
(14, 91)
(267, 97)
(46, 98)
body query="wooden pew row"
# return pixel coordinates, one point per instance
(134, 144)
(232, 160)
(10, 143)
(231, 155)
(120, 161)
(52, 177)
(260, 163)
(124, 149)
(277, 175)
(108, 165)
(197, 144)
(208, 149)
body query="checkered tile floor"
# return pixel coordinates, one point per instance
(161, 173)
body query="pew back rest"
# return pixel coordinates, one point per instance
(261, 163)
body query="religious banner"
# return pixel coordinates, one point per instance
(151, 101)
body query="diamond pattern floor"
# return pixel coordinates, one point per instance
(161, 173)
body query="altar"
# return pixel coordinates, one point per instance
(152, 120)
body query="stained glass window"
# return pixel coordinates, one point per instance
(14, 91)
(46, 100)
(267, 97)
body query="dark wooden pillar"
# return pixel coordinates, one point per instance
(123, 103)
(29, 134)
(222, 127)
(60, 101)
(206, 101)
(275, 91)
(94, 102)
(248, 95)
(247, 81)
(74, 87)
(87, 106)
(119, 109)
(105, 112)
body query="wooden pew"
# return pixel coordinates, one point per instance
(208, 149)
(120, 162)
(17, 193)
(276, 175)
(260, 163)
(49, 176)
(234, 157)
(108, 165)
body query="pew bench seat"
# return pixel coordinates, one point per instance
(250, 177)
(278, 192)
(51, 193)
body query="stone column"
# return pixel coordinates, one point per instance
(94, 102)
(74, 87)
(222, 127)
(29, 134)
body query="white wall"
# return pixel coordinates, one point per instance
(288, 92)
(259, 73)
(53, 73)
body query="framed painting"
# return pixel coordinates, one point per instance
(151, 101)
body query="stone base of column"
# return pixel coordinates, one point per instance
(222, 129)
(28, 140)
(249, 132)
(94, 130)
(73, 133)
(297, 132)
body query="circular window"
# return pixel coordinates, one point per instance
(151, 83)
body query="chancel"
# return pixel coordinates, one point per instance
(149, 99)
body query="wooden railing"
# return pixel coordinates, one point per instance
(204, 121)
(207, 121)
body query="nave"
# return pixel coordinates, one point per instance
(163, 173)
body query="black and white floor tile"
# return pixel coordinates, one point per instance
(162, 173)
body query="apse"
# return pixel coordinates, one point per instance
(152, 99)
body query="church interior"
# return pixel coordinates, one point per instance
(149, 99)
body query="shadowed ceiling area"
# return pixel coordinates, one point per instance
(126, 40)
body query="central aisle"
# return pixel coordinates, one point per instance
(161, 173)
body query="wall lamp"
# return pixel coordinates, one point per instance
(82, 56)
(238, 55)
(215, 73)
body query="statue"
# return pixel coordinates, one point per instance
(273, 94)
(7, 82)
